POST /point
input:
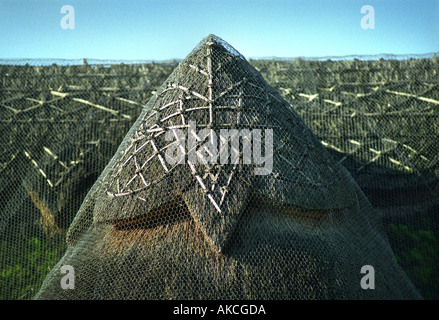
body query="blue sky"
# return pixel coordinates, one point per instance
(167, 29)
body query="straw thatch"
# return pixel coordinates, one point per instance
(60, 125)
(219, 90)
(196, 231)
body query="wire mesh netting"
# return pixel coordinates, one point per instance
(218, 178)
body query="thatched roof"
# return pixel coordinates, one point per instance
(209, 230)
(60, 125)
(217, 88)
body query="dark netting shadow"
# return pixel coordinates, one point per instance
(379, 119)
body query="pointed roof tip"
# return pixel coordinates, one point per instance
(212, 36)
(212, 39)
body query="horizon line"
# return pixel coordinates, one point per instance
(103, 61)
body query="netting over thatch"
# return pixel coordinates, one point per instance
(380, 120)
(354, 178)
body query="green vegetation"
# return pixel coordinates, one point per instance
(418, 254)
(24, 266)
